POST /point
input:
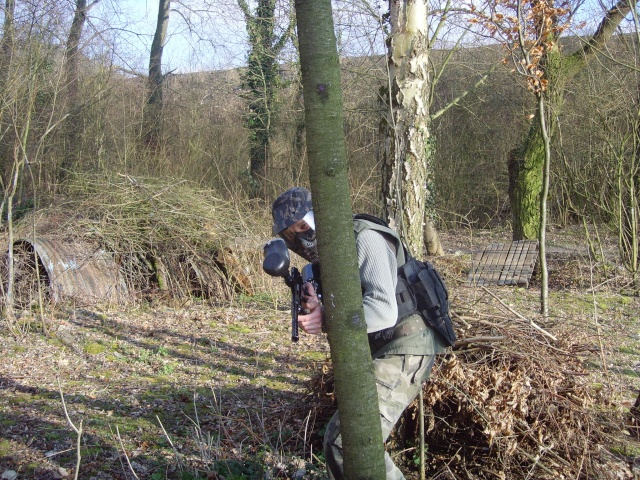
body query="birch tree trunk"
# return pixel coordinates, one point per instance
(353, 369)
(407, 177)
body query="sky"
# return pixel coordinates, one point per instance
(198, 39)
(214, 37)
(209, 38)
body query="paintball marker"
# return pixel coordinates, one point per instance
(276, 263)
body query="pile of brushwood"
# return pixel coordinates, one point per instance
(511, 401)
(519, 409)
(167, 237)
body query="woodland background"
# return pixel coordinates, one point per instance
(210, 360)
(94, 123)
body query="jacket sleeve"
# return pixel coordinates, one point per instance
(378, 277)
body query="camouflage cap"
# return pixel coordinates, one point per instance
(290, 207)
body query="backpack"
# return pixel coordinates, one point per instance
(420, 288)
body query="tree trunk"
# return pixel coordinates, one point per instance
(6, 53)
(526, 164)
(407, 179)
(353, 370)
(72, 122)
(262, 82)
(525, 177)
(152, 120)
(542, 237)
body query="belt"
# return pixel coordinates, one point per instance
(414, 324)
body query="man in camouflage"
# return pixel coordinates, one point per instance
(403, 352)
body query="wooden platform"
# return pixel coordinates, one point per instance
(504, 264)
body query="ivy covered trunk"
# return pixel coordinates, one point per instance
(261, 81)
(353, 369)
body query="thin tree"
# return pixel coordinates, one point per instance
(353, 371)
(531, 32)
(535, 36)
(262, 80)
(628, 186)
(152, 118)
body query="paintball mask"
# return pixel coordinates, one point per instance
(289, 208)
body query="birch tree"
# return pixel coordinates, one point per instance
(407, 171)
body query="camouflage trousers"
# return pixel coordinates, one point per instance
(398, 379)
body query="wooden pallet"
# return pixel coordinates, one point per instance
(504, 264)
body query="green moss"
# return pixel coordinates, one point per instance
(168, 368)
(6, 423)
(102, 374)
(628, 351)
(94, 348)
(630, 450)
(56, 342)
(30, 324)
(625, 300)
(316, 356)
(240, 328)
(20, 398)
(5, 447)
(53, 435)
(277, 385)
(184, 348)
(629, 372)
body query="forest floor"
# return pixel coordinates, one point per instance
(163, 390)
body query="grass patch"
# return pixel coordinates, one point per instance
(315, 356)
(628, 350)
(239, 328)
(94, 348)
(5, 447)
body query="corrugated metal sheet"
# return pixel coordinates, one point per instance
(78, 271)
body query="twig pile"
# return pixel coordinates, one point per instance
(517, 409)
(167, 237)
